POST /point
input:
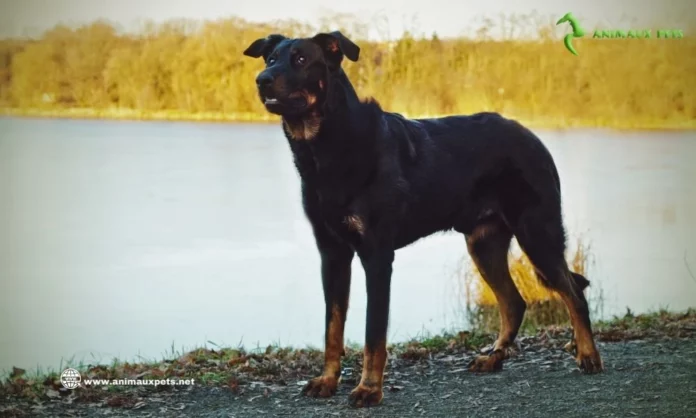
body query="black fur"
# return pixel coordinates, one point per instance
(405, 179)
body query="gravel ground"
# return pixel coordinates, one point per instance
(644, 378)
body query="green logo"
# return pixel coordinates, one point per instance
(578, 31)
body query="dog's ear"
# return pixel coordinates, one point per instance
(335, 46)
(263, 46)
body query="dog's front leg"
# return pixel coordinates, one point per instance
(335, 275)
(377, 263)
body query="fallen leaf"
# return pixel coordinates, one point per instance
(233, 385)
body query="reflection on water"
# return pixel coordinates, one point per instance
(121, 238)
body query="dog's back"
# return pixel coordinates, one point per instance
(458, 169)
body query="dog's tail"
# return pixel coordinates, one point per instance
(580, 281)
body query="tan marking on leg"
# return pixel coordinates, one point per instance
(512, 308)
(490, 257)
(587, 356)
(334, 343)
(488, 246)
(326, 385)
(482, 231)
(369, 390)
(355, 223)
(374, 364)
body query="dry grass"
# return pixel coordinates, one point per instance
(199, 72)
(544, 307)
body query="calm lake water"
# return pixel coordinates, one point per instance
(123, 238)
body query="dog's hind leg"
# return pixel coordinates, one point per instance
(541, 236)
(582, 283)
(488, 246)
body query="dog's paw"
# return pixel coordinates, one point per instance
(365, 395)
(489, 363)
(590, 363)
(321, 387)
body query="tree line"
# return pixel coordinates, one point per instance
(196, 67)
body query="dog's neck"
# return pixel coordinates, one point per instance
(340, 94)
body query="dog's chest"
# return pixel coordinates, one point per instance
(335, 175)
(342, 209)
(338, 181)
(335, 203)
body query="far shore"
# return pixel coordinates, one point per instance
(533, 122)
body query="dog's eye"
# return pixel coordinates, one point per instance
(270, 61)
(301, 60)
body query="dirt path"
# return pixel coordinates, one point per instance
(643, 378)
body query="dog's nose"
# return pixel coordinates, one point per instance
(264, 80)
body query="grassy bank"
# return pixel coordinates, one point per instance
(235, 368)
(185, 71)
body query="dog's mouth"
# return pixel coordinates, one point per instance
(294, 102)
(270, 100)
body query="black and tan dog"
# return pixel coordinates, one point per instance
(374, 182)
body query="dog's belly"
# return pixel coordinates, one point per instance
(405, 238)
(408, 233)
(456, 211)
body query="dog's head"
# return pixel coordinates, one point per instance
(298, 71)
